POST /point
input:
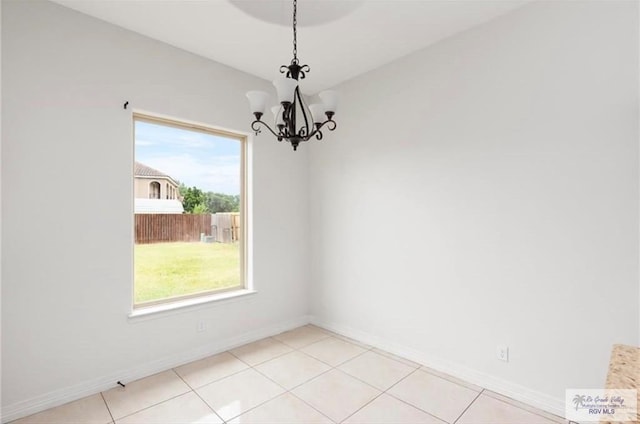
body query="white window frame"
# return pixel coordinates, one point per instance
(195, 299)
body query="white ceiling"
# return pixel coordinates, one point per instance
(338, 39)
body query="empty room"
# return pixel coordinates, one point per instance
(320, 211)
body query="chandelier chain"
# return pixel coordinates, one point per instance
(295, 31)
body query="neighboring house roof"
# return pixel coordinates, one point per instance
(144, 171)
(158, 206)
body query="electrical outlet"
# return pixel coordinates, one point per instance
(201, 326)
(502, 352)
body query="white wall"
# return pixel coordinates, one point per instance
(484, 191)
(500, 204)
(67, 274)
(0, 199)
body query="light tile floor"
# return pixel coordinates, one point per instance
(304, 376)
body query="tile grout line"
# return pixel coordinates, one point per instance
(353, 342)
(468, 406)
(277, 356)
(365, 348)
(369, 384)
(339, 364)
(362, 381)
(290, 391)
(198, 394)
(243, 412)
(448, 378)
(384, 392)
(341, 338)
(397, 358)
(155, 404)
(336, 367)
(380, 394)
(286, 391)
(218, 379)
(297, 385)
(300, 347)
(451, 379)
(523, 409)
(311, 406)
(158, 403)
(361, 408)
(253, 367)
(413, 406)
(249, 367)
(401, 380)
(331, 368)
(113, 420)
(407, 403)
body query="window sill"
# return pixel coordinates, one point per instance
(170, 308)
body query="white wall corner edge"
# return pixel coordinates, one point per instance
(512, 390)
(97, 385)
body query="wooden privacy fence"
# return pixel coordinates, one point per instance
(225, 227)
(162, 227)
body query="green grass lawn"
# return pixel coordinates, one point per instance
(165, 270)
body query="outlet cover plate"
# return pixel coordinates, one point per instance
(502, 352)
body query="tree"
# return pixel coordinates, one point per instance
(218, 202)
(195, 200)
(191, 197)
(201, 208)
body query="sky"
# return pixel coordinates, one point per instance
(208, 162)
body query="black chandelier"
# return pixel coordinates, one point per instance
(292, 105)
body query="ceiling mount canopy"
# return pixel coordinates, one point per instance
(294, 121)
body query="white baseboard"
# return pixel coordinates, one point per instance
(97, 385)
(512, 390)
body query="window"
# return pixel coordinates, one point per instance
(189, 232)
(154, 190)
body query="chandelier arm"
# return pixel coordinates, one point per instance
(289, 117)
(303, 105)
(255, 127)
(330, 123)
(313, 132)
